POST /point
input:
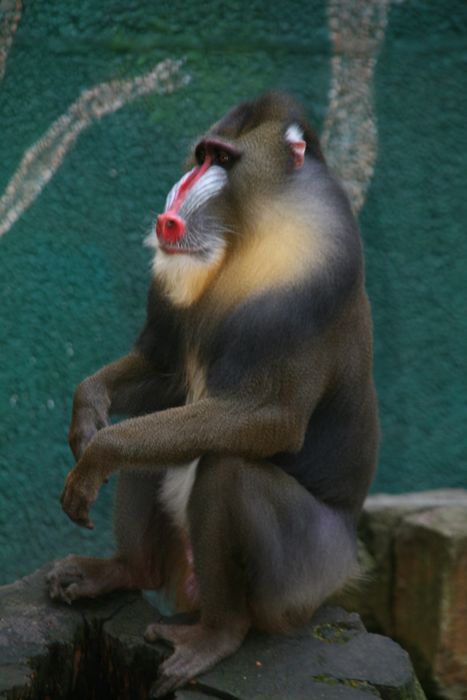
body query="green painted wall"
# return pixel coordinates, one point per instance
(74, 273)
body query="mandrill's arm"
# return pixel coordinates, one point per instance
(128, 386)
(237, 425)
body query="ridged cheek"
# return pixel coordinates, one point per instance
(206, 187)
(171, 197)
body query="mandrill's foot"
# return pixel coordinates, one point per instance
(85, 577)
(196, 649)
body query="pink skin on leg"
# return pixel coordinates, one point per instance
(190, 584)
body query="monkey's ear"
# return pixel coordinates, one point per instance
(294, 136)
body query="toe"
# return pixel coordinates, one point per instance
(64, 579)
(165, 685)
(176, 671)
(151, 634)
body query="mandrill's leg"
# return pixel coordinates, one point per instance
(147, 547)
(196, 649)
(87, 577)
(266, 554)
(221, 583)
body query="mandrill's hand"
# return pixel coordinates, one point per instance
(81, 488)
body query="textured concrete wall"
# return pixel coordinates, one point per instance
(85, 165)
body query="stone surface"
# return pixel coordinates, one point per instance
(414, 555)
(95, 649)
(334, 657)
(430, 595)
(56, 651)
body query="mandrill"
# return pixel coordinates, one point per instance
(251, 436)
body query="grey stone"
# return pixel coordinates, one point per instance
(60, 651)
(334, 656)
(95, 649)
(414, 558)
(416, 500)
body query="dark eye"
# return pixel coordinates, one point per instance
(223, 157)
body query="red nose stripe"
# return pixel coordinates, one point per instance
(170, 226)
(188, 184)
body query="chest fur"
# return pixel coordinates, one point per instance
(179, 480)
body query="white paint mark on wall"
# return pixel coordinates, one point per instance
(350, 138)
(42, 160)
(10, 15)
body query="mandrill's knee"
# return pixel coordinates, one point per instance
(217, 478)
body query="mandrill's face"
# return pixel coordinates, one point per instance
(193, 222)
(201, 205)
(217, 204)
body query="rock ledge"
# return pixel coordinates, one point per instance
(95, 650)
